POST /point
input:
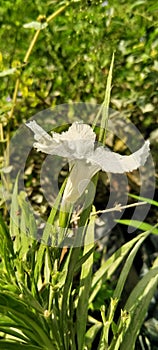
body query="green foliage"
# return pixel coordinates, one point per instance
(138, 224)
(40, 297)
(137, 305)
(54, 52)
(74, 50)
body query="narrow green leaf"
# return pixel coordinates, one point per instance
(110, 266)
(127, 266)
(7, 255)
(121, 282)
(8, 345)
(14, 217)
(12, 332)
(28, 222)
(5, 235)
(91, 334)
(27, 318)
(29, 299)
(138, 224)
(137, 305)
(48, 232)
(137, 3)
(73, 258)
(105, 105)
(153, 8)
(85, 285)
(84, 258)
(74, 254)
(147, 200)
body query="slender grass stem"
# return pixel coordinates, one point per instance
(28, 53)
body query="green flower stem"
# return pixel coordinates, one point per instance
(90, 198)
(64, 220)
(65, 214)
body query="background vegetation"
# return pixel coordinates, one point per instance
(71, 57)
(70, 62)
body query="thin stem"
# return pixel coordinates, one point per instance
(56, 13)
(28, 53)
(118, 207)
(33, 42)
(14, 98)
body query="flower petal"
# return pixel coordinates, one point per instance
(115, 163)
(76, 143)
(46, 143)
(77, 130)
(79, 178)
(39, 133)
(79, 140)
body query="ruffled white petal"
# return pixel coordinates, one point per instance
(48, 144)
(39, 133)
(115, 163)
(79, 140)
(78, 130)
(76, 143)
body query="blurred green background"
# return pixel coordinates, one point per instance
(71, 58)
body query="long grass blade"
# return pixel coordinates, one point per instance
(110, 266)
(141, 225)
(137, 305)
(85, 285)
(10, 345)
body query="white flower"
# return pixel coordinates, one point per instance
(78, 146)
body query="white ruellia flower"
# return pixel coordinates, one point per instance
(85, 160)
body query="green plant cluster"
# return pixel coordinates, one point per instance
(47, 297)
